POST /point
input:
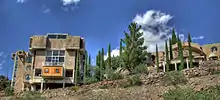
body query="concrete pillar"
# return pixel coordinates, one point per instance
(41, 86)
(33, 87)
(175, 66)
(63, 83)
(164, 67)
(187, 62)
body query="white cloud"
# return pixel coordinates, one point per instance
(114, 52)
(198, 38)
(46, 10)
(21, 1)
(68, 2)
(155, 28)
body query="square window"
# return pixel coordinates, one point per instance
(55, 53)
(61, 59)
(48, 59)
(62, 53)
(57, 71)
(49, 53)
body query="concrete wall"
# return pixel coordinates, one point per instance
(56, 43)
(39, 58)
(70, 57)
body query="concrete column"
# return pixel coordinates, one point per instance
(41, 86)
(175, 66)
(33, 87)
(63, 83)
(164, 67)
(187, 62)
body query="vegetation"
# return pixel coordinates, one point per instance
(167, 57)
(85, 68)
(190, 94)
(180, 53)
(170, 48)
(174, 78)
(134, 53)
(77, 74)
(157, 58)
(190, 51)
(30, 95)
(132, 81)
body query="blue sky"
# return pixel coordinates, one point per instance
(102, 22)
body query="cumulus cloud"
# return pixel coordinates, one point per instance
(155, 28)
(21, 1)
(114, 52)
(69, 2)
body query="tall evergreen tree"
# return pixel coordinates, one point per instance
(190, 51)
(77, 69)
(109, 56)
(171, 50)
(85, 68)
(167, 57)
(180, 49)
(120, 53)
(134, 52)
(157, 58)
(174, 37)
(102, 64)
(98, 66)
(89, 59)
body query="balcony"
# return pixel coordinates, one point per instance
(52, 72)
(61, 64)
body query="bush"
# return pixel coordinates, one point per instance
(90, 80)
(9, 91)
(174, 78)
(75, 88)
(112, 75)
(141, 69)
(32, 95)
(189, 94)
(133, 81)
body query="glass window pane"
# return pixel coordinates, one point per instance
(61, 59)
(52, 36)
(55, 53)
(48, 59)
(62, 53)
(61, 36)
(49, 53)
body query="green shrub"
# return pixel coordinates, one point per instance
(189, 94)
(32, 95)
(132, 81)
(90, 80)
(9, 91)
(111, 75)
(174, 78)
(75, 88)
(142, 68)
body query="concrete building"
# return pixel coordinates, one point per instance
(199, 52)
(50, 63)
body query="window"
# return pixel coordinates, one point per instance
(28, 68)
(214, 49)
(57, 71)
(27, 77)
(28, 59)
(57, 36)
(37, 72)
(46, 70)
(55, 57)
(69, 73)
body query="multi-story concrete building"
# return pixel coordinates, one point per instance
(50, 63)
(199, 52)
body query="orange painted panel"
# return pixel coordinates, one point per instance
(52, 71)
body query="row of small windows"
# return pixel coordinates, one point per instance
(56, 36)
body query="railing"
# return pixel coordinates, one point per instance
(53, 64)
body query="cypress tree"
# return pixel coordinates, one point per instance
(174, 37)
(85, 68)
(120, 52)
(171, 50)
(102, 64)
(98, 65)
(157, 58)
(77, 69)
(89, 60)
(180, 49)
(109, 56)
(167, 56)
(190, 51)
